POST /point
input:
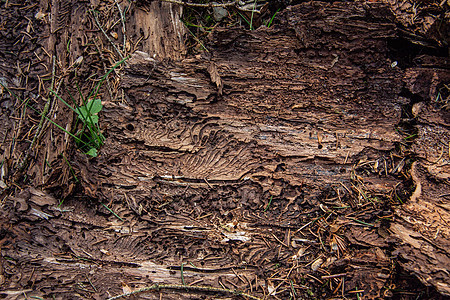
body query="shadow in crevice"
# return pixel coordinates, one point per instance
(407, 54)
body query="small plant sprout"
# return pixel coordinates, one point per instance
(89, 138)
(273, 17)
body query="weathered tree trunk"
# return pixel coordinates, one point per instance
(276, 125)
(272, 164)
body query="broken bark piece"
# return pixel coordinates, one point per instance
(423, 25)
(80, 246)
(422, 225)
(366, 237)
(158, 28)
(433, 118)
(365, 270)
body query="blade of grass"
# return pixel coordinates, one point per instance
(251, 18)
(293, 289)
(69, 133)
(196, 38)
(37, 111)
(245, 19)
(273, 17)
(208, 29)
(63, 101)
(83, 117)
(110, 210)
(182, 275)
(361, 222)
(270, 202)
(75, 108)
(103, 78)
(70, 168)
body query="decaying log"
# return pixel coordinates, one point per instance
(264, 166)
(282, 113)
(290, 104)
(107, 251)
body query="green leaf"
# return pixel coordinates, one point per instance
(82, 113)
(92, 152)
(88, 113)
(94, 119)
(94, 106)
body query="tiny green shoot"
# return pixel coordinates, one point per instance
(89, 138)
(270, 202)
(398, 198)
(207, 29)
(361, 222)
(411, 136)
(197, 39)
(68, 45)
(251, 18)
(70, 167)
(245, 19)
(293, 289)
(273, 17)
(111, 211)
(182, 274)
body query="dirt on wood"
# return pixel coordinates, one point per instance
(304, 160)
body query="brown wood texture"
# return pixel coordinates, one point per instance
(269, 165)
(158, 27)
(299, 105)
(423, 223)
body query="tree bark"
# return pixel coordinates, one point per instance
(273, 164)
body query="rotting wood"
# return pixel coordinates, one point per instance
(422, 224)
(270, 117)
(302, 114)
(292, 108)
(280, 113)
(107, 249)
(156, 28)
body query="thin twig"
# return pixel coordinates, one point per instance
(202, 4)
(280, 241)
(105, 34)
(52, 103)
(334, 276)
(46, 107)
(187, 287)
(122, 18)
